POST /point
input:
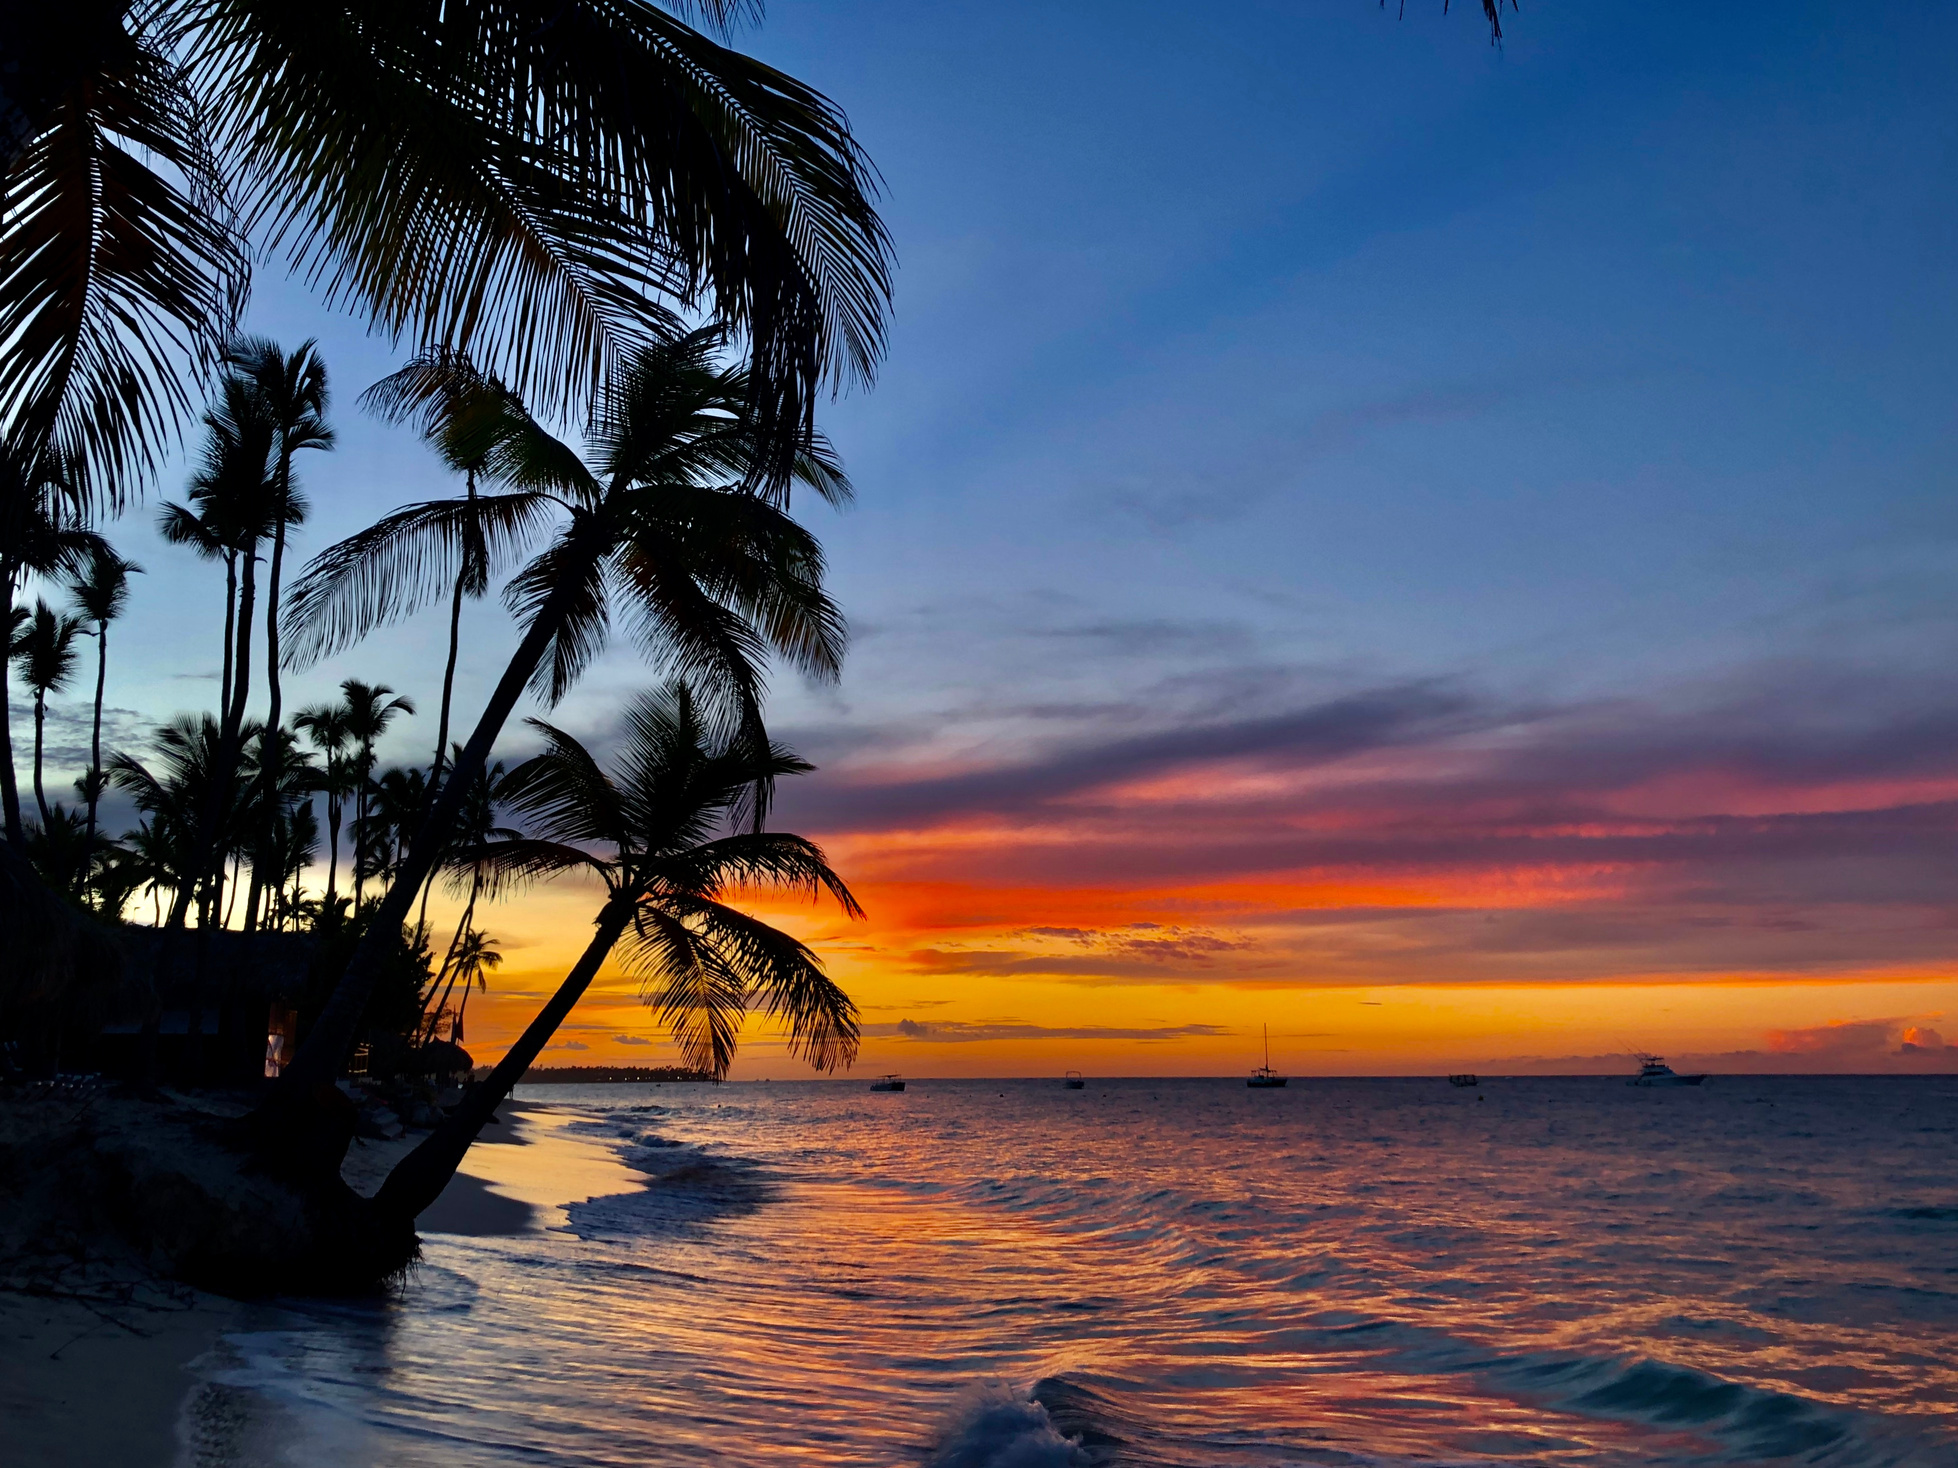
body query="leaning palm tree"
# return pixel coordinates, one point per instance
(469, 964)
(541, 182)
(100, 591)
(44, 655)
(661, 520)
(667, 833)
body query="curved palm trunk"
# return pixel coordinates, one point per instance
(95, 750)
(332, 1036)
(418, 1179)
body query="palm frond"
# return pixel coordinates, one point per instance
(566, 572)
(398, 565)
(540, 183)
(501, 867)
(564, 794)
(119, 276)
(786, 977)
(698, 995)
(766, 860)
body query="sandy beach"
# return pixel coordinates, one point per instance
(96, 1372)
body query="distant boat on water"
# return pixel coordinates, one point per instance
(1463, 1080)
(1264, 1078)
(1653, 1071)
(888, 1083)
(1074, 1081)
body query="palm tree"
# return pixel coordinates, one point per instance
(325, 724)
(476, 828)
(100, 591)
(44, 655)
(41, 533)
(710, 573)
(463, 433)
(173, 797)
(545, 183)
(290, 396)
(469, 962)
(397, 797)
(369, 711)
(666, 832)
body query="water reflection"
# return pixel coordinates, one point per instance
(1177, 1273)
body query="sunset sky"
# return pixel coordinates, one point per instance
(1446, 551)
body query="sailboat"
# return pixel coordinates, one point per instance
(1264, 1077)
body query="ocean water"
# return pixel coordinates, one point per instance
(1181, 1273)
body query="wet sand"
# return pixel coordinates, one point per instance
(106, 1382)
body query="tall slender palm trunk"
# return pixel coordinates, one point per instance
(418, 1179)
(333, 1033)
(266, 801)
(95, 751)
(230, 615)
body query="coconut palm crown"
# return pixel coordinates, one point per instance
(665, 832)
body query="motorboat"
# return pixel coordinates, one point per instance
(1264, 1078)
(1074, 1081)
(1653, 1071)
(888, 1083)
(1464, 1080)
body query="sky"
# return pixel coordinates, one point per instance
(1443, 551)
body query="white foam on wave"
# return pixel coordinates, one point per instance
(994, 1426)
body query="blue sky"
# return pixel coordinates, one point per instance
(1326, 346)
(1246, 359)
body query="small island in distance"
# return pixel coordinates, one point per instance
(583, 1075)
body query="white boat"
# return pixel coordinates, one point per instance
(1653, 1071)
(1074, 1081)
(888, 1083)
(1264, 1078)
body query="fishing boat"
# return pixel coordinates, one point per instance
(1074, 1081)
(1264, 1078)
(1653, 1071)
(1463, 1080)
(888, 1083)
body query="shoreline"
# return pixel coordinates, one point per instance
(98, 1370)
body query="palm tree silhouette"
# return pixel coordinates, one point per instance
(368, 710)
(290, 393)
(42, 533)
(173, 798)
(44, 655)
(667, 832)
(662, 520)
(545, 183)
(326, 726)
(100, 592)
